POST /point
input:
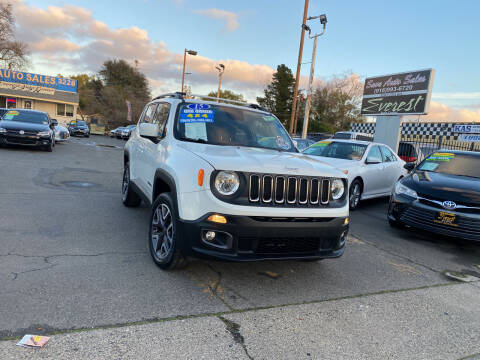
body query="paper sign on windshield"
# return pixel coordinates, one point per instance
(441, 157)
(197, 113)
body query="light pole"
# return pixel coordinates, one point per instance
(293, 122)
(189, 52)
(221, 70)
(323, 21)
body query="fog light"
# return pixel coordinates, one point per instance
(347, 221)
(210, 235)
(217, 219)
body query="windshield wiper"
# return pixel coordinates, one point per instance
(201, 141)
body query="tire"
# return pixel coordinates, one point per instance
(49, 148)
(355, 193)
(395, 224)
(163, 241)
(87, 136)
(129, 197)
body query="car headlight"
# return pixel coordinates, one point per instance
(3, 131)
(337, 189)
(227, 182)
(44, 133)
(404, 190)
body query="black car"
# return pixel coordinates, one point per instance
(441, 195)
(27, 127)
(78, 128)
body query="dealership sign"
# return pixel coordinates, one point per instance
(469, 137)
(398, 94)
(32, 82)
(468, 129)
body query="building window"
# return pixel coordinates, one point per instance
(11, 103)
(65, 110)
(28, 104)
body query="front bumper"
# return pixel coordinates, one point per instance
(415, 213)
(263, 238)
(79, 132)
(24, 140)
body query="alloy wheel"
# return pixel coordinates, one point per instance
(162, 232)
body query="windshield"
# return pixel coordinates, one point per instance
(131, 126)
(26, 116)
(225, 125)
(339, 150)
(79, 123)
(342, 136)
(452, 164)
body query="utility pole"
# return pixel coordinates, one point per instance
(221, 70)
(323, 21)
(293, 127)
(189, 52)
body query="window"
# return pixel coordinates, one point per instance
(375, 153)
(28, 104)
(388, 156)
(148, 114)
(161, 117)
(11, 103)
(65, 110)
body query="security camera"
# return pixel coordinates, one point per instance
(323, 19)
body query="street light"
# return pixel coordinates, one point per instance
(323, 21)
(221, 70)
(189, 52)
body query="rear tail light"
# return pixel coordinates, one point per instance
(408, 158)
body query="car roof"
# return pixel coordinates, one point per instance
(361, 142)
(28, 110)
(460, 152)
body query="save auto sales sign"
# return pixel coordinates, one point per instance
(398, 94)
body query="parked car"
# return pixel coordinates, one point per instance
(346, 135)
(441, 195)
(78, 128)
(226, 181)
(318, 136)
(61, 133)
(415, 151)
(118, 132)
(372, 169)
(126, 131)
(27, 128)
(302, 144)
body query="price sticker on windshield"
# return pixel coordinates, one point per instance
(322, 144)
(441, 157)
(197, 113)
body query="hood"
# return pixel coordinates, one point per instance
(460, 189)
(341, 164)
(25, 126)
(248, 159)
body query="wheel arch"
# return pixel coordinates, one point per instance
(360, 179)
(164, 182)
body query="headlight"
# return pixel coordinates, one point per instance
(44, 133)
(227, 182)
(337, 189)
(3, 131)
(402, 189)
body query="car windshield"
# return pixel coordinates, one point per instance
(226, 125)
(336, 149)
(131, 126)
(79, 123)
(452, 164)
(26, 116)
(342, 136)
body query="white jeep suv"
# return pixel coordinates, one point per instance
(226, 181)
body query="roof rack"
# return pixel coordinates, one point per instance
(176, 95)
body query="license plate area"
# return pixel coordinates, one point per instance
(446, 218)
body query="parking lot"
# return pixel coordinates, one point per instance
(74, 258)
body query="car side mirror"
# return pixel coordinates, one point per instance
(149, 131)
(373, 160)
(409, 166)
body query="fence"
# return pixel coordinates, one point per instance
(419, 140)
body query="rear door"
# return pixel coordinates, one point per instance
(392, 167)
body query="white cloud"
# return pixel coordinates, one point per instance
(230, 18)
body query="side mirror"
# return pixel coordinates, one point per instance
(373, 160)
(149, 131)
(409, 166)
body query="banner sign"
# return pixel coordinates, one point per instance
(469, 137)
(398, 94)
(33, 81)
(26, 87)
(469, 129)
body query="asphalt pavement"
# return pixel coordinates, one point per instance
(74, 265)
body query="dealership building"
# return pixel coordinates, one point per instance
(57, 96)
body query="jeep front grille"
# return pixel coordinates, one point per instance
(291, 190)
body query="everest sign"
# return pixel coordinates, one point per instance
(398, 94)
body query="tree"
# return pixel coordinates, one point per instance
(336, 104)
(13, 53)
(279, 94)
(227, 94)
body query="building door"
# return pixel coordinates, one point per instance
(3, 102)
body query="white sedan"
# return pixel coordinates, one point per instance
(372, 169)
(61, 133)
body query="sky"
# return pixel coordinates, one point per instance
(252, 38)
